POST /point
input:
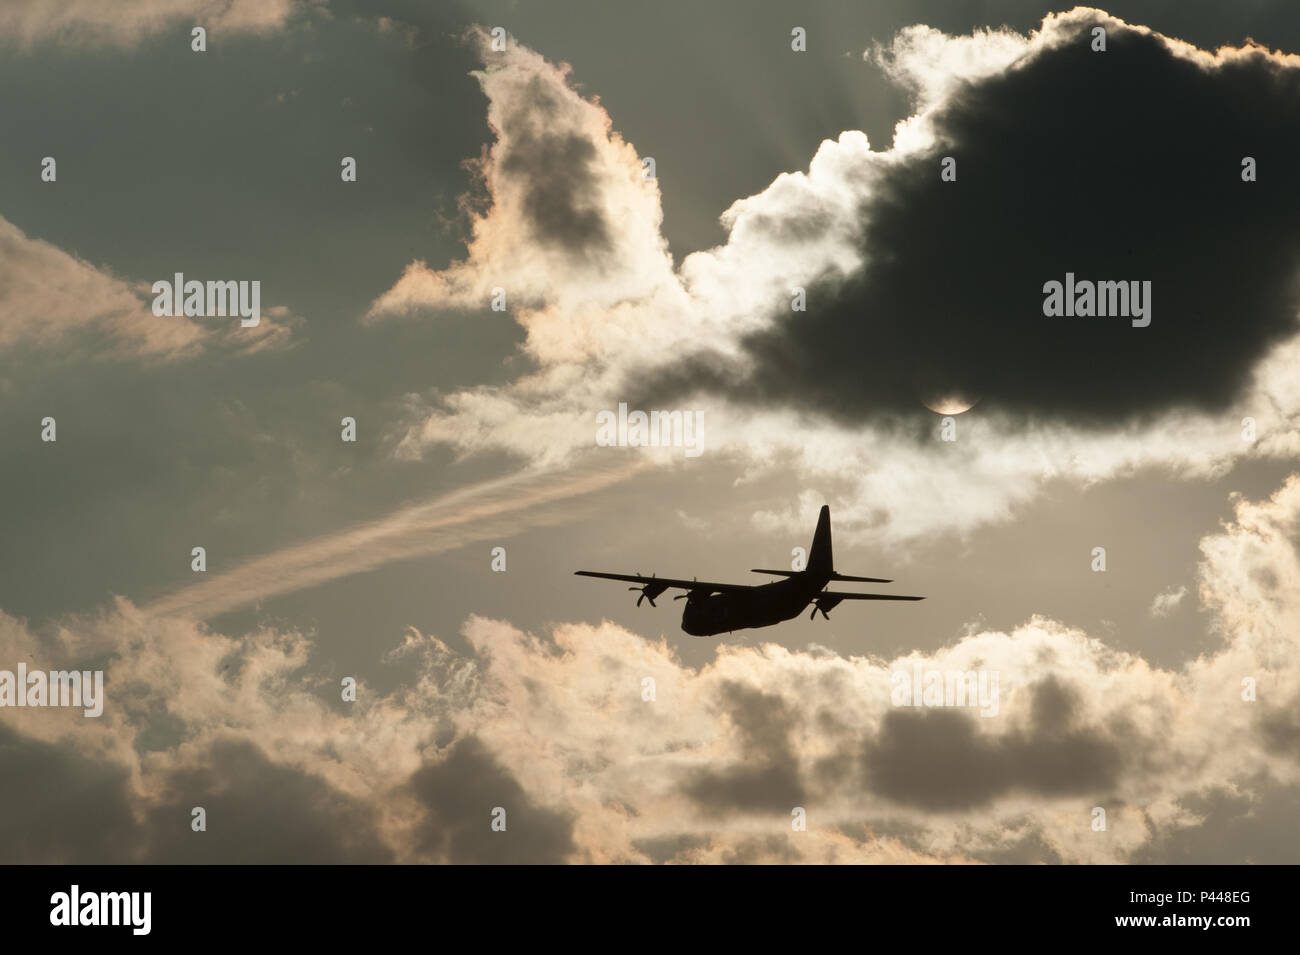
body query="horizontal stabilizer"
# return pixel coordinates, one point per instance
(839, 596)
(775, 573)
(861, 580)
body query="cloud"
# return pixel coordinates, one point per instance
(918, 757)
(257, 812)
(556, 729)
(241, 727)
(48, 297)
(1167, 601)
(62, 806)
(565, 197)
(950, 296)
(126, 22)
(456, 791)
(1236, 826)
(916, 287)
(54, 303)
(766, 775)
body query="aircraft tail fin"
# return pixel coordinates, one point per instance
(820, 560)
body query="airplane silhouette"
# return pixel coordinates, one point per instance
(719, 608)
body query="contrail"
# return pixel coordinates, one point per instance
(490, 509)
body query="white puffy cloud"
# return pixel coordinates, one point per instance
(1167, 601)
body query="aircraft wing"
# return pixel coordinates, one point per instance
(839, 596)
(661, 584)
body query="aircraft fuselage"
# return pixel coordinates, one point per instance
(765, 605)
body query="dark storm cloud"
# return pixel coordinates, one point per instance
(938, 760)
(1255, 825)
(1280, 729)
(555, 171)
(259, 812)
(670, 848)
(931, 759)
(58, 807)
(767, 778)
(462, 790)
(1122, 165)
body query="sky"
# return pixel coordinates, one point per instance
(386, 657)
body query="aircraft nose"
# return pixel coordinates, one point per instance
(690, 622)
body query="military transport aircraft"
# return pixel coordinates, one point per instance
(719, 608)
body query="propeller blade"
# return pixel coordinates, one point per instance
(644, 596)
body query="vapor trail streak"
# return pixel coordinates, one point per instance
(491, 509)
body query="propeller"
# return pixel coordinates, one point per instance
(824, 603)
(649, 591)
